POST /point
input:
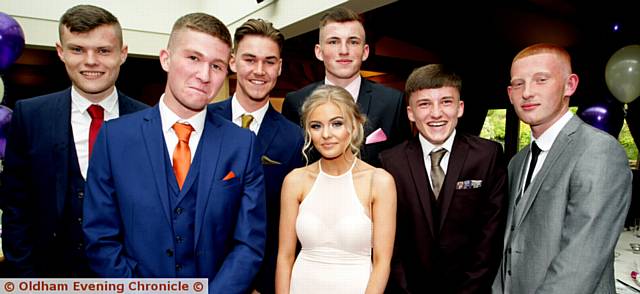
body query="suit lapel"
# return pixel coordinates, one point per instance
(364, 97)
(421, 180)
(61, 118)
(155, 145)
(268, 129)
(558, 148)
(458, 156)
(210, 145)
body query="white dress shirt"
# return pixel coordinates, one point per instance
(544, 142)
(237, 111)
(353, 88)
(169, 118)
(81, 122)
(428, 147)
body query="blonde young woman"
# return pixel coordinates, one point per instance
(341, 209)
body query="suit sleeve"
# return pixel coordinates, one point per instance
(397, 278)
(487, 254)
(598, 201)
(242, 263)
(102, 223)
(291, 108)
(17, 227)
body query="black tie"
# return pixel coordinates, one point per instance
(535, 151)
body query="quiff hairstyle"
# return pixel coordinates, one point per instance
(354, 119)
(431, 76)
(204, 23)
(258, 27)
(339, 15)
(85, 18)
(542, 48)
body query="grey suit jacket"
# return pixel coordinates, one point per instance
(563, 240)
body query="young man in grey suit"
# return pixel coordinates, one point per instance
(49, 145)
(342, 48)
(569, 190)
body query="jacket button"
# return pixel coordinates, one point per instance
(179, 239)
(178, 210)
(513, 227)
(509, 272)
(178, 267)
(509, 250)
(79, 220)
(169, 252)
(80, 194)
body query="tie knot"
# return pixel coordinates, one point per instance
(436, 156)
(246, 120)
(96, 111)
(183, 131)
(535, 150)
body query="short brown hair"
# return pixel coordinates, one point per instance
(339, 14)
(84, 18)
(204, 23)
(430, 77)
(347, 105)
(541, 48)
(258, 27)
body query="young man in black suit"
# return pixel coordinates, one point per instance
(451, 191)
(342, 48)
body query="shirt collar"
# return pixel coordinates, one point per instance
(237, 111)
(427, 146)
(109, 103)
(549, 136)
(353, 88)
(169, 118)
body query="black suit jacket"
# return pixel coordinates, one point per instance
(453, 244)
(281, 151)
(384, 107)
(35, 184)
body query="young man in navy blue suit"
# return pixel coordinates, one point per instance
(49, 145)
(257, 63)
(175, 190)
(342, 48)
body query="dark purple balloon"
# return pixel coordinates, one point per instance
(11, 41)
(603, 116)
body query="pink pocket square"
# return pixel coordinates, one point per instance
(375, 137)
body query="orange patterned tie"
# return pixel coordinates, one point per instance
(182, 154)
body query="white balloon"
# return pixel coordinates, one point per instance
(1, 90)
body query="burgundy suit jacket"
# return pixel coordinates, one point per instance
(454, 244)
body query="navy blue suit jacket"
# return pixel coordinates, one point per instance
(128, 223)
(384, 107)
(281, 144)
(35, 181)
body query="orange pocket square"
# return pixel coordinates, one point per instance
(229, 176)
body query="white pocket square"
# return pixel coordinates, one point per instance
(375, 137)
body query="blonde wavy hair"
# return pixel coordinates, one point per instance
(354, 119)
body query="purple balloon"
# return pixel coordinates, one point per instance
(11, 41)
(603, 117)
(5, 119)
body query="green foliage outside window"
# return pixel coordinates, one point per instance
(494, 129)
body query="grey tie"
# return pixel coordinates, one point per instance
(437, 174)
